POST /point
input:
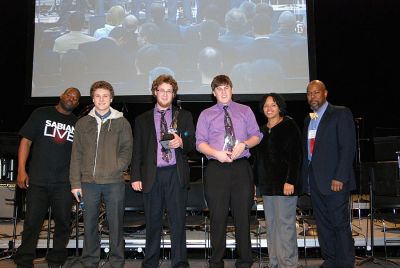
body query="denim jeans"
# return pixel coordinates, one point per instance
(113, 196)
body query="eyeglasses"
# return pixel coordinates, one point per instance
(168, 92)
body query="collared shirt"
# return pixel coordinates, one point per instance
(313, 126)
(71, 40)
(211, 129)
(157, 120)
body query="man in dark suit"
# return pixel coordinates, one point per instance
(329, 150)
(160, 169)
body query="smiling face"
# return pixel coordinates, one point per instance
(69, 100)
(102, 100)
(223, 94)
(271, 109)
(164, 95)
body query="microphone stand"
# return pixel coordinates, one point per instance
(86, 110)
(11, 249)
(371, 171)
(75, 259)
(361, 260)
(358, 173)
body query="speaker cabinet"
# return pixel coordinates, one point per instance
(386, 147)
(7, 191)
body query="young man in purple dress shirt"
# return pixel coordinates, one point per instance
(229, 179)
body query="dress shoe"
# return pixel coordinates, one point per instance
(54, 265)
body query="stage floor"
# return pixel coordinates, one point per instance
(199, 246)
(197, 243)
(195, 263)
(135, 238)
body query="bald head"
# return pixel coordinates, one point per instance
(316, 94)
(130, 23)
(287, 20)
(317, 83)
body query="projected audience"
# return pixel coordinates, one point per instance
(147, 58)
(293, 45)
(222, 5)
(74, 37)
(241, 31)
(169, 31)
(141, 9)
(259, 76)
(173, 8)
(114, 17)
(129, 38)
(149, 33)
(73, 69)
(68, 6)
(191, 33)
(106, 59)
(262, 47)
(235, 21)
(46, 67)
(266, 75)
(264, 8)
(249, 10)
(210, 64)
(208, 37)
(235, 38)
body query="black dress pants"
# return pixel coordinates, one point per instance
(230, 187)
(166, 193)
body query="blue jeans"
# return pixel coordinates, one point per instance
(113, 195)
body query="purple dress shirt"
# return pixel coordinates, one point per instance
(211, 130)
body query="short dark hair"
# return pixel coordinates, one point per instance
(101, 84)
(221, 80)
(76, 21)
(278, 99)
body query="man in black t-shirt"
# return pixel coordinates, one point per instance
(49, 131)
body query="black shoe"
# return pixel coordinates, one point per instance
(54, 265)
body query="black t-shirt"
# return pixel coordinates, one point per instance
(52, 135)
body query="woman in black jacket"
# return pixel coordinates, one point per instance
(277, 168)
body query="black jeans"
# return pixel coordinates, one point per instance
(38, 200)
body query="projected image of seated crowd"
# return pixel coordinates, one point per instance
(263, 47)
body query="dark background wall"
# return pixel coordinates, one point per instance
(356, 56)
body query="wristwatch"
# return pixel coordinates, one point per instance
(246, 147)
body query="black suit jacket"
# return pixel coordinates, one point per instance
(334, 150)
(144, 160)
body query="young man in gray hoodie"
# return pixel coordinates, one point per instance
(101, 152)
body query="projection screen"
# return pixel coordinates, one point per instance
(262, 45)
